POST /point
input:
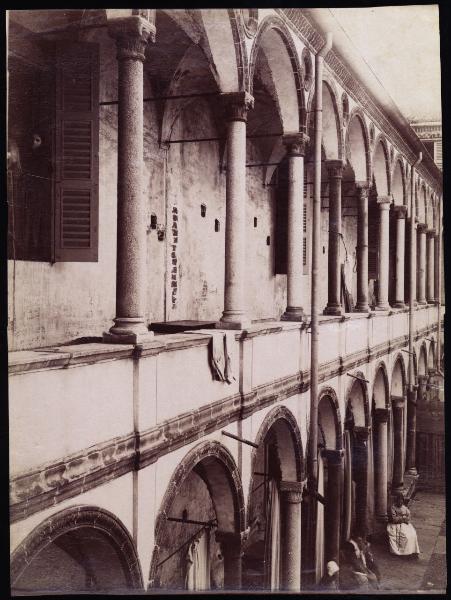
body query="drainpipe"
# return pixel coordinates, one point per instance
(411, 425)
(313, 434)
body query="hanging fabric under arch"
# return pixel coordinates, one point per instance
(272, 537)
(197, 577)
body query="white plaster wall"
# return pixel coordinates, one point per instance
(57, 412)
(275, 356)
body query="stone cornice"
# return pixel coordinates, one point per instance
(315, 41)
(68, 477)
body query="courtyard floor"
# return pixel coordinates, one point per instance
(428, 573)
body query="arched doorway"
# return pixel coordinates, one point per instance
(400, 417)
(330, 480)
(272, 553)
(198, 529)
(356, 460)
(382, 442)
(80, 549)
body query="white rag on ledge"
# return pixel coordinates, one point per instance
(220, 362)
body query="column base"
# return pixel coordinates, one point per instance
(421, 303)
(333, 310)
(399, 305)
(360, 307)
(396, 489)
(237, 320)
(293, 313)
(128, 330)
(381, 307)
(412, 471)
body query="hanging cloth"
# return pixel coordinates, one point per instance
(319, 550)
(347, 491)
(198, 563)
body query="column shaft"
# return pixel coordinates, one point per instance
(231, 547)
(332, 510)
(291, 538)
(384, 224)
(131, 35)
(381, 466)
(362, 248)
(398, 475)
(360, 469)
(421, 287)
(335, 170)
(430, 265)
(296, 144)
(411, 432)
(234, 314)
(400, 255)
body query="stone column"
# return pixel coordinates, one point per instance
(421, 397)
(360, 470)
(291, 496)
(234, 315)
(412, 269)
(430, 265)
(384, 224)
(436, 267)
(421, 267)
(400, 212)
(411, 459)
(231, 548)
(362, 247)
(335, 172)
(296, 145)
(398, 475)
(132, 35)
(333, 500)
(381, 466)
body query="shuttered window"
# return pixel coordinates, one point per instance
(76, 152)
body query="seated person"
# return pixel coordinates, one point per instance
(368, 560)
(401, 533)
(352, 571)
(330, 578)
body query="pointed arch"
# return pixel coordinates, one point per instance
(381, 387)
(399, 184)
(328, 399)
(381, 166)
(357, 400)
(357, 145)
(398, 378)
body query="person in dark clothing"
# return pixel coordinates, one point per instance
(352, 571)
(369, 561)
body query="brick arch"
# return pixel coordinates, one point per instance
(281, 414)
(398, 160)
(364, 389)
(329, 392)
(399, 360)
(381, 139)
(73, 518)
(274, 22)
(219, 467)
(358, 113)
(381, 366)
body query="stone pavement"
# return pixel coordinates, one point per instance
(428, 573)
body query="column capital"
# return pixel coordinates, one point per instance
(361, 433)
(381, 415)
(362, 189)
(397, 401)
(334, 457)
(296, 143)
(132, 35)
(384, 202)
(422, 227)
(292, 491)
(335, 168)
(231, 541)
(431, 233)
(237, 105)
(422, 379)
(400, 211)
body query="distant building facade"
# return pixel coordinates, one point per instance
(166, 200)
(430, 133)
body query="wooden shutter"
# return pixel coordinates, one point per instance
(76, 152)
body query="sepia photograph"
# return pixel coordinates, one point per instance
(225, 301)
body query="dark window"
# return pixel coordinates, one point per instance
(53, 126)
